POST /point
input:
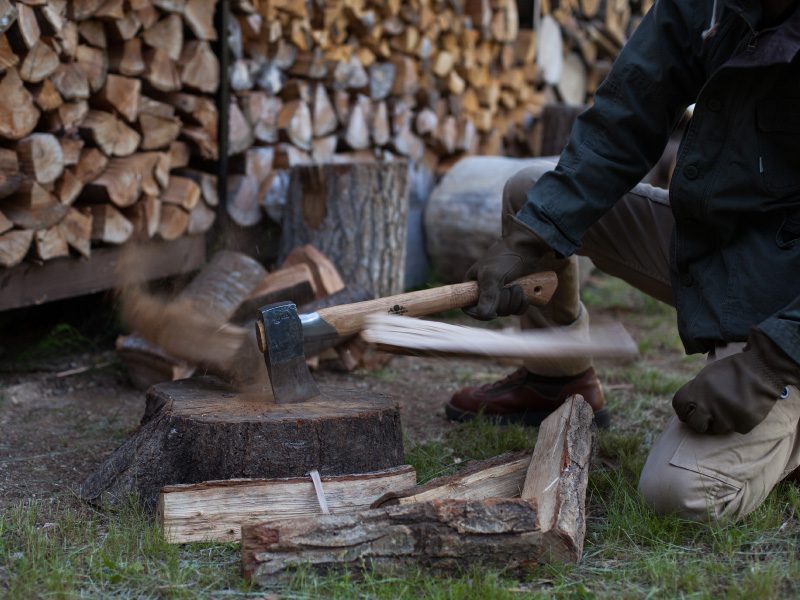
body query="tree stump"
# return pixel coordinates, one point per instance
(355, 213)
(200, 429)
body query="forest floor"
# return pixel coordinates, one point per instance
(65, 404)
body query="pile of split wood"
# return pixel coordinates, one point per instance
(102, 104)
(511, 512)
(431, 80)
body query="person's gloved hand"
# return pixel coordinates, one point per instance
(518, 253)
(737, 392)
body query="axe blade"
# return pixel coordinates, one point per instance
(280, 338)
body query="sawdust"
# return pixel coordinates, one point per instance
(174, 324)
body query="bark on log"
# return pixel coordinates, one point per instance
(41, 157)
(324, 203)
(215, 510)
(201, 430)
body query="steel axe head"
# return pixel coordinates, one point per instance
(280, 337)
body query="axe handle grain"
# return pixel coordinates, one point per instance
(349, 319)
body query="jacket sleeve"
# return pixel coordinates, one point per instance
(615, 143)
(784, 329)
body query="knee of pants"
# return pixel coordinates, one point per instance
(671, 490)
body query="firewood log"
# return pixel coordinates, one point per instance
(18, 115)
(90, 165)
(41, 157)
(294, 122)
(40, 62)
(158, 132)
(110, 225)
(76, 227)
(94, 64)
(71, 81)
(28, 25)
(161, 71)
(199, 67)
(166, 35)
(69, 187)
(181, 191)
(261, 112)
(50, 243)
(5, 223)
(243, 200)
(206, 181)
(199, 16)
(174, 222)
(14, 245)
(201, 218)
(8, 58)
(33, 207)
(121, 94)
(240, 133)
(110, 134)
(10, 176)
(94, 32)
(47, 97)
(127, 58)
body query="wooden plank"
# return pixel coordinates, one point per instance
(28, 284)
(215, 510)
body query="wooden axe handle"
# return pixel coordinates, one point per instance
(348, 319)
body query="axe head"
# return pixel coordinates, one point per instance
(280, 337)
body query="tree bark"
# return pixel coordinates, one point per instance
(355, 214)
(201, 430)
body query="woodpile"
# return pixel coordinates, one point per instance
(429, 80)
(103, 106)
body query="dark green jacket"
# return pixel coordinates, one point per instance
(735, 192)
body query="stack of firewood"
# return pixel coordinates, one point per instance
(102, 105)
(431, 80)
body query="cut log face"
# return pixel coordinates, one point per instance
(14, 246)
(76, 227)
(181, 191)
(33, 207)
(243, 204)
(110, 134)
(109, 225)
(201, 218)
(39, 63)
(174, 222)
(41, 157)
(51, 243)
(18, 115)
(122, 94)
(158, 132)
(227, 505)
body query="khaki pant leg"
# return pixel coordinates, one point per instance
(706, 477)
(631, 241)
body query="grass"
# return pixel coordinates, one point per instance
(63, 549)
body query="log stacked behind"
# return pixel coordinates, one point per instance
(431, 80)
(102, 107)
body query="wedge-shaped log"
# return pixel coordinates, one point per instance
(216, 510)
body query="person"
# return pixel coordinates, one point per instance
(723, 246)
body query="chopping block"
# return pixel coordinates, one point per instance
(203, 429)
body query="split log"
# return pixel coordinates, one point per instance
(322, 196)
(6, 224)
(181, 191)
(110, 134)
(158, 132)
(18, 115)
(294, 121)
(51, 243)
(215, 511)
(10, 176)
(166, 35)
(448, 536)
(327, 280)
(90, 165)
(201, 218)
(40, 62)
(199, 67)
(33, 207)
(161, 71)
(76, 227)
(243, 204)
(222, 433)
(14, 245)
(47, 97)
(94, 64)
(174, 222)
(325, 120)
(293, 284)
(69, 187)
(499, 477)
(206, 181)
(199, 16)
(41, 157)
(122, 180)
(109, 225)
(121, 94)
(71, 81)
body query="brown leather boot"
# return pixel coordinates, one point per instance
(523, 397)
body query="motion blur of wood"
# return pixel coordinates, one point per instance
(418, 336)
(450, 535)
(100, 104)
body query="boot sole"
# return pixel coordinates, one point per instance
(531, 418)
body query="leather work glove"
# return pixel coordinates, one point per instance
(737, 392)
(518, 253)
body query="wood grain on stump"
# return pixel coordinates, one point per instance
(355, 214)
(200, 429)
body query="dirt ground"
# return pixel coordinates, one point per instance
(67, 410)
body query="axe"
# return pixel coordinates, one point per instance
(283, 335)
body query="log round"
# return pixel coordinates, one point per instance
(356, 214)
(462, 218)
(200, 429)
